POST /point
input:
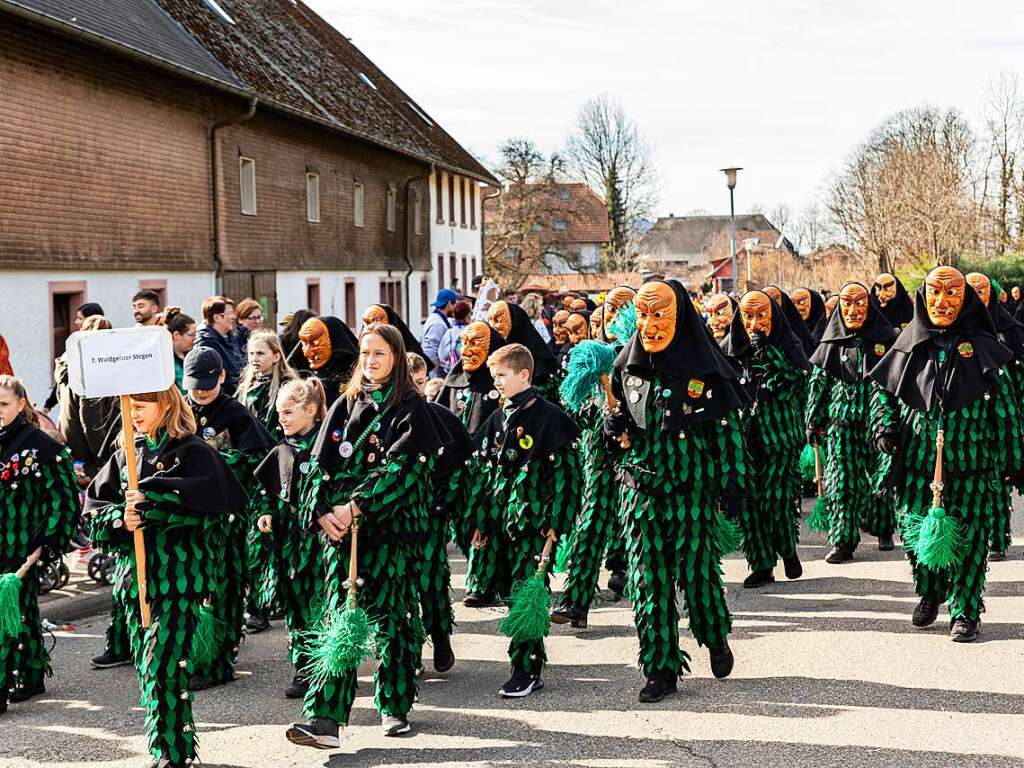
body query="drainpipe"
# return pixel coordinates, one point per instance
(215, 238)
(410, 232)
(483, 202)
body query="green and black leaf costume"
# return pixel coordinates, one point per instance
(380, 455)
(681, 409)
(952, 379)
(839, 403)
(38, 507)
(189, 494)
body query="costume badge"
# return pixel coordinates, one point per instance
(510, 454)
(345, 449)
(695, 388)
(879, 350)
(304, 467)
(965, 349)
(493, 394)
(526, 442)
(336, 435)
(209, 433)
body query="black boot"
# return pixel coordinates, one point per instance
(657, 688)
(24, 694)
(257, 623)
(109, 659)
(444, 656)
(479, 600)
(319, 733)
(722, 661)
(759, 579)
(840, 553)
(794, 570)
(297, 689)
(962, 631)
(885, 543)
(617, 583)
(926, 612)
(570, 614)
(995, 554)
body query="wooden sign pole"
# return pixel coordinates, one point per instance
(130, 461)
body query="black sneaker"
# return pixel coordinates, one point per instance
(794, 570)
(617, 583)
(394, 725)
(656, 690)
(570, 614)
(722, 661)
(926, 612)
(479, 600)
(521, 684)
(3, 706)
(885, 543)
(962, 631)
(24, 694)
(444, 656)
(996, 555)
(840, 553)
(319, 733)
(758, 579)
(108, 660)
(297, 689)
(257, 624)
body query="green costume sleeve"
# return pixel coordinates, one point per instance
(731, 456)
(818, 390)
(383, 496)
(566, 483)
(106, 528)
(885, 412)
(1008, 410)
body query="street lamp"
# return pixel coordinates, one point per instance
(730, 179)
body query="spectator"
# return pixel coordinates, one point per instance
(146, 307)
(248, 317)
(183, 338)
(437, 324)
(488, 295)
(5, 359)
(533, 305)
(219, 319)
(450, 350)
(89, 309)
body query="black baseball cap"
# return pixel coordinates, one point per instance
(203, 367)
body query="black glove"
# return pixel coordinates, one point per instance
(614, 426)
(813, 435)
(758, 341)
(887, 444)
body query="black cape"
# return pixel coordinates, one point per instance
(227, 416)
(911, 369)
(1009, 330)
(479, 381)
(411, 343)
(901, 309)
(816, 321)
(736, 344)
(796, 323)
(875, 338)
(280, 471)
(344, 352)
(20, 436)
(532, 431)
(458, 444)
(523, 332)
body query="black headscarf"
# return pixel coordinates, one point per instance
(875, 337)
(344, 352)
(816, 320)
(911, 371)
(901, 309)
(736, 344)
(1009, 330)
(411, 343)
(523, 332)
(796, 323)
(479, 381)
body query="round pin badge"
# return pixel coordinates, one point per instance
(345, 449)
(336, 435)
(209, 433)
(304, 467)
(493, 394)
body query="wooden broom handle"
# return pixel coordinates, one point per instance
(940, 441)
(545, 556)
(606, 382)
(130, 461)
(352, 569)
(29, 562)
(817, 471)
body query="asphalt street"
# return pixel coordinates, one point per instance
(829, 672)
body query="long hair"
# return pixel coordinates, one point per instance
(13, 385)
(175, 320)
(279, 374)
(399, 373)
(302, 392)
(96, 323)
(177, 419)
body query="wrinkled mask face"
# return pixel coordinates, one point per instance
(756, 311)
(802, 301)
(375, 314)
(853, 303)
(774, 294)
(982, 285)
(500, 318)
(613, 302)
(720, 314)
(1015, 292)
(830, 304)
(578, 305)
(558, 326)
(577, 328)
(316, 342)
(656, 312)
(1003, 297)
(476, 345)
(885, 288)
(596, 321)
(944, 290)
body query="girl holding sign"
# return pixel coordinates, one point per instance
(38, 509)
(184, 492)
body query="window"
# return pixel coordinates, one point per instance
(392, 195)
(451, 200)
(391, 293)
(366, 79)
(247, 184)
(440, 271)
(417, 212)
(424, 300)
(439, 194)
(473, 263)
(462, 202)
(350, 304)
(358, 203)
(561, 225)
(420, 114)
(472, 205)
(465, 272)
(566, 194)
(313, 198)
(452, 274)
(313, 294)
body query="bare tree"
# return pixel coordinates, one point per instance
(1003, 114)
(608, 153)
(810, 229)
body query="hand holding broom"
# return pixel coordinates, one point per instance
(10, 594)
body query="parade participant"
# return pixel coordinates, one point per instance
(38, 509)
(296, 577)
(796, 323)
(290, 338)
(183, 337)
(185, 493)
(811, 308)
(330, 350)
(830, 304)
(448, 483)
(720, 310)
(1013, 304)
(774, 370)
(515, 328)
(237, 435)
(384, 314)
(1010, 332)
(577, 328)
(526, 487)
(678, 402)
(839, 419)
(946, 372)
(597, 324)
(219, 318)
(559, 336)
(264, 374)
(470, 394)
(894, 300)
(372, 464)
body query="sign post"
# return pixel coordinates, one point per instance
(118, 363)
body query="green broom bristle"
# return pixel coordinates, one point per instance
(624, 324)
(588, 362)
(562, 557)
(10, 606)
(819, 519)
(206, 639)
(807, 463)
(341, 643)
(529, 615)
(728, 536)
(940, 541)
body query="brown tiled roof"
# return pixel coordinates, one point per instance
(694, 235)
(596, 282)
(584, 214)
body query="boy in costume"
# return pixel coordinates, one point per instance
(515, 327)
(946, 375)
(526, 486)
(679, 417)
(38, 509)
(839, 418)
(774, 372)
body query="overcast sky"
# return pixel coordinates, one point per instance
(784, 88)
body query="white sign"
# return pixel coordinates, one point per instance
(122, 361)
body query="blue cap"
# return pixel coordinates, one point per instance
(444, 296)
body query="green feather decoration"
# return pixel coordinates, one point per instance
(339, 645)
(939, 541)
(529, 610)
(207, 638)
(807, 463)
(562, 558)
(10, 606)
(996, 289)
(623, 326)
(818, 519)
(588, 362)
(728, 536)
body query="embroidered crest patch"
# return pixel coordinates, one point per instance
(965, 349)
(695, 388)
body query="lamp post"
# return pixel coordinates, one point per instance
(730, 178)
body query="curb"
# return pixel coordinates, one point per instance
(72, 607)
